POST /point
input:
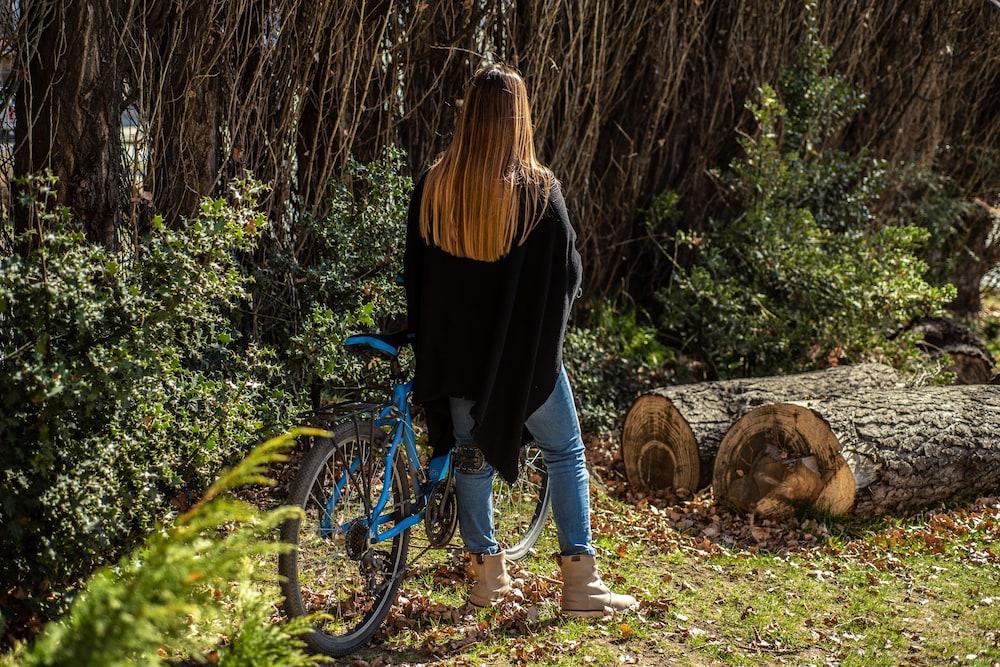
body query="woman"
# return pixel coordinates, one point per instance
(491, 273)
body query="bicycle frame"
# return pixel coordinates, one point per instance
(397, 417)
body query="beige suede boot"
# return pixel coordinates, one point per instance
(584, 594)
(491, 579)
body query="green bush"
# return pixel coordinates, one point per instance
(804, 275)
(190, 588)
(989, 322)
(926, 198)
(347, 283)
(123, 386)
(609, 361)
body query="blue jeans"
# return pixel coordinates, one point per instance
(556, 431)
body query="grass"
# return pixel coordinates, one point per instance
(921, 590)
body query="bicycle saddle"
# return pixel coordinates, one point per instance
(386, 344)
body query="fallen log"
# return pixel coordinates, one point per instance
(671, 435)
(867, 453)
(971, 360)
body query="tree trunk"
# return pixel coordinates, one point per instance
(866, 453)
(185, 99)
(980, 250)
(68, 104)
(671, 435)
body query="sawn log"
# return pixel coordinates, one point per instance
(671, 435)
(865, 453)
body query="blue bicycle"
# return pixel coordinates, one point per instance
(363, 491)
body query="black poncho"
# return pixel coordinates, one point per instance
(490, 332)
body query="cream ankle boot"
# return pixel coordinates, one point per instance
(584, 594)
(491, 579)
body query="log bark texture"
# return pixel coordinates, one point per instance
(671, 435)
(863, 453)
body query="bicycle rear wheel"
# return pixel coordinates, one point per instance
(520, 511)
(334, 569)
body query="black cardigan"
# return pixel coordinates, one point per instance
(490, 332)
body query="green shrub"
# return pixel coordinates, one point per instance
(191, 587)
(347, 283)
(930, 199)
(123, 386)
(989, 322)
(609, 362)
(804, 275)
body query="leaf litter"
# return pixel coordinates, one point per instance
(695, 526)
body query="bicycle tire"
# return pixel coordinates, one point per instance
(313, 464)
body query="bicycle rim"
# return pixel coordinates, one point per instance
(520, 510)
(333, 570)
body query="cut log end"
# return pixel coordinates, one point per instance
(658, 447)
(780, 458)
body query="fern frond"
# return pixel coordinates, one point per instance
(189, 587)
(252, 469)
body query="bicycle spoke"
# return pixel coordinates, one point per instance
(315, 494)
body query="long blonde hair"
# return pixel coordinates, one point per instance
(487, 189)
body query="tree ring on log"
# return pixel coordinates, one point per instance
(779, 458)
(656, 465)
(658, 447)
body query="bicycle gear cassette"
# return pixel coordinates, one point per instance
(441, 514)
(356, 539)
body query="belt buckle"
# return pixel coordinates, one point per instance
(468, 459)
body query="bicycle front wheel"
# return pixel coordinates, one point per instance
(520, 510)
(335, 569)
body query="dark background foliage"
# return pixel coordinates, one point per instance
(630, 100)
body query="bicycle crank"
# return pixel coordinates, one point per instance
(441, 513)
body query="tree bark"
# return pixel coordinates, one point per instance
(68, 103)
(671, 435)
(865, 453)
(185, 100)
